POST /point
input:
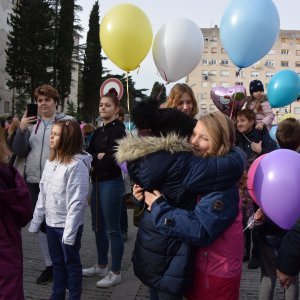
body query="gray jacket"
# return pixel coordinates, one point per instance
(33, 144)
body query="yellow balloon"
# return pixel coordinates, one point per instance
(126, 36)
(286, 116)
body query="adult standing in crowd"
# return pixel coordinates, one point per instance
(107, 193)
(182, 98)
(32, 142)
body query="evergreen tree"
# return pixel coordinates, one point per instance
(30, 46)
(159, 92)
(92, 68)
(64, 49)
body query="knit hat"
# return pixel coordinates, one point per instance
(255, 86)
(161, 121)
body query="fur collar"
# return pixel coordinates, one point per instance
(132, 148)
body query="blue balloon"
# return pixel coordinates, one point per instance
(272, 132)
(248, 30)
(283, 88)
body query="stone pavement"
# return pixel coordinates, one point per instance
(129, 289)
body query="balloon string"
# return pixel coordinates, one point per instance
(138, 70)
(237, 73)
(157, 99)
(232, 107)
(128, 102)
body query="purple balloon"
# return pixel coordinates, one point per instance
(276, 184)
(123, 167)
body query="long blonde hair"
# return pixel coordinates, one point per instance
(220, 129)
(176, 93)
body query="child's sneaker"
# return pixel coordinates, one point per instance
(109, 280)
(95, 271)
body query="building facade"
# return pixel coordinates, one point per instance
(216, 69)
(6, 95)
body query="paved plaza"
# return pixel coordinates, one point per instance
(129, 289)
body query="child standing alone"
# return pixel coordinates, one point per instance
(62, 201)
(259, 104)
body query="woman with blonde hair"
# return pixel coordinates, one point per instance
(182, 98)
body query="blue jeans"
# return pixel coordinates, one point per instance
(107, 197)
(124, 217)
(67, 268)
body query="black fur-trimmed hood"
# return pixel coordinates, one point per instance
(132, 148)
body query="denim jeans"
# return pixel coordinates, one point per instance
(107, 197)
(67, 268)
(124, 217)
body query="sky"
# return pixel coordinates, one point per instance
(205, 13)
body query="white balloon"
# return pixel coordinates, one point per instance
(177, 49)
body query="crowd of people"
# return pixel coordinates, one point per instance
(188, 176)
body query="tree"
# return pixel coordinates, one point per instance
(159, 92)
(64, 49)
(30, 46)
(92, 67)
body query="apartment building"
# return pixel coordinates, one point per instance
(6, 95)
(216, 69)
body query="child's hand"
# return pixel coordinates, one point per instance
(138, 192)
(151, 197)
(256, 147)
(259, 126)
(100, 155)
(259, 215)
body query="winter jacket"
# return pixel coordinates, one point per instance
(288, 259)
(33, 143)
(219, 265)
(167, 164)
(15, 212)
(266, 114)
(104, 141)
(243, 141)
(63, 196)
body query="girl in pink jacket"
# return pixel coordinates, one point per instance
(259, 103)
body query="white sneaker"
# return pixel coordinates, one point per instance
(95, 271)
(109, 280)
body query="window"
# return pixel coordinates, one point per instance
(212, 73)
(224, 73)
(224, 84)
(203, 96)
(269, 63)
(206, 39)
(203, 106)
(204, 75)
(213, 84)
(214, 50)
(254, 74)
(204, 61)
(204, 72)
(239, 83)
(284, 63)
(296, 110)
(242, 74)
(212, 107)
(297, 52)
(284, 51)
(204, 84)
(269, 74)
(205, 50)
(297, 41)
(214, 39)
(271, 52)
(297, 63)
(285, 40)
(224, 62)
(213, 62)
(223, 51)
(6, 107)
